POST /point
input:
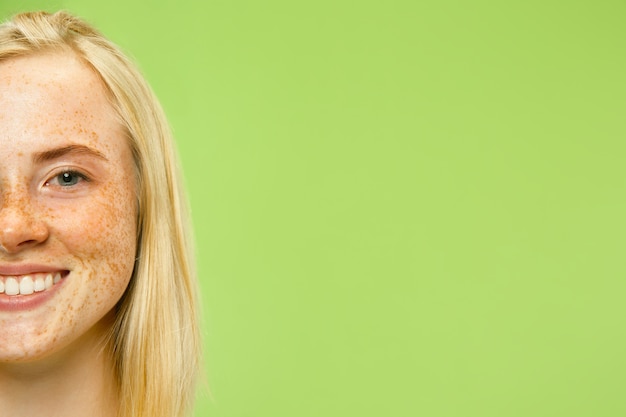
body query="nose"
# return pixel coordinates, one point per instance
(20, 227)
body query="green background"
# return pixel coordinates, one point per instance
(402, 208)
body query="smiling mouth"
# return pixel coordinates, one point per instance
(31, 283)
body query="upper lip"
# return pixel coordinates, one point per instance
(26, 269)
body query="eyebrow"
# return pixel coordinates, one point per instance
(55, 153)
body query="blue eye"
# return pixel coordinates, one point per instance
(66, 179)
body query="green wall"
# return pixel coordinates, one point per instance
(402, 208)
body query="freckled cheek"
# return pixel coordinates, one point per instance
(114, 250)
(101, 235)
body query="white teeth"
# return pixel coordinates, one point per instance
(40, 285)
(11, 287)
(27, 285)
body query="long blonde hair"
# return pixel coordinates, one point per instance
(155, 342)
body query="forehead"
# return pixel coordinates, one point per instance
(57, 75)
(53, 95)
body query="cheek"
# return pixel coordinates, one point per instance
(101, 236)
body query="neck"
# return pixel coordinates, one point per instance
(78, 381)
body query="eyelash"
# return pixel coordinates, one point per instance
(58, 178)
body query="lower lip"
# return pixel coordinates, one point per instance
(28, 302)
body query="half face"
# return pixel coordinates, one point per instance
(67, 206)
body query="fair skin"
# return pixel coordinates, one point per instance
(67, 209)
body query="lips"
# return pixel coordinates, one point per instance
(26, 287)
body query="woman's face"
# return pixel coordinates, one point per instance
(67, 207)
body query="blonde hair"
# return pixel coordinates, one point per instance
(155, 342)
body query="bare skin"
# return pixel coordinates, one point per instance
(78, 384)
(68, 206)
